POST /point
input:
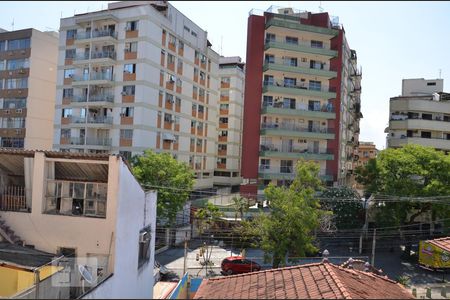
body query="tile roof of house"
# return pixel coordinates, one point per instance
(312, 281)
(443, 243)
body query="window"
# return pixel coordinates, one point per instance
(172, 39)
(202, 75)
(270, 59)
(195, 89)
(267, 101)
(126, 134)
(222, 147)
(71, 34)
(169, 98)
(126, 154)
(127, 112)
(268, 80)
(13, 122)
(12, 142)
(180, 45)
(129, 68)
(225, 80)
(431, 83)
(203, 58)
(2, 65)
(265, 164)
(179, 82)
(195, 72)
(316, 44)
(68, 93)
(270, 37)
(15, 64)
(68, 73)
(76, 198)
(224, 93)
(200, 108)
(66, 112)
(187, 29)
(222, 160)
(316, 65)
(291, 40)
(16, 83)
(193, 123)
(201, 92)
(286, 166)
(223, 133)
(427, 117)
(223, 120)
(65, 133)
(131, 47)
(128, 90)
(199, 142)
(194, 33)
(290, 82)
(70, 53)
(13, 103)
(200, 126)
(131, 26)
(170, 59)
(224, 106)
(425, 134)
(315, 85)
(180, 64)
(194, 107)
(18, 44)
(168, 118)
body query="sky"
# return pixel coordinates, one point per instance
(393, 40)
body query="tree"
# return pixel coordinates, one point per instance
(368, 176)
(240, 205)
(295, 214)
(410, 171)
(208, 216)
(346, 205)
(172, 179)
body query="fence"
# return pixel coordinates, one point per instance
(13, 198)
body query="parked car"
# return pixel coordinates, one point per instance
(238, 265)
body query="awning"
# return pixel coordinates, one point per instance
(168, 137)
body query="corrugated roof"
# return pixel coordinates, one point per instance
(443, 243)
(23, 256)
(312, 281)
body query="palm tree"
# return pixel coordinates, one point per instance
(240, 205)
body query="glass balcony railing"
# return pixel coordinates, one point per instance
(95, 34)
(271, 150)
(301, 86)
(94, 76)
(90, 141)
(296, 127)
(96, 55)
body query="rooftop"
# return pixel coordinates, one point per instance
(312, 281)
(443, 243)
(23, 256)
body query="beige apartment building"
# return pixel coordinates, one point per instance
(421, 115)
(28, 60)
(138, 75)
(231, 108)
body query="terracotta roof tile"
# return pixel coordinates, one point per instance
(312, 281)
(443, 243)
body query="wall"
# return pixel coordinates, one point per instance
(135, 210)
(419, 86)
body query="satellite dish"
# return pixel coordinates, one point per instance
(85, 274)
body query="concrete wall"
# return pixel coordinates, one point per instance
(421, 86)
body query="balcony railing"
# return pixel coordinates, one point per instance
(94, 98)
(13, 198)
(274, 148)
(95, 34)
(303, 86)
(94, 76)
(297, 43)
(104, 54)
(295, 66)
(400, 117)
(296, 127)
(319, 108)
(90, 141)
(100, 119)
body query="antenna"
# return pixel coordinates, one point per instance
(320, 6)
(221, 44)
(440, 73)
(12, 25)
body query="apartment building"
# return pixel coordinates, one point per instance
(85, 209)
(28, 60)
(421, 115)
(231, 109)
(302, 98)
(138, 75)
(365, 152)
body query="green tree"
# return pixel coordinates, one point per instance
(172, 179)
(295, 214)
(240, 205)
(346, 205)
(410, 171)
(208, 216)
(368, 176)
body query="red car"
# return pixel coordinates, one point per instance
(238, 265)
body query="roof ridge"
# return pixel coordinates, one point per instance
(267, 271)
(355, 271)
(338, 282)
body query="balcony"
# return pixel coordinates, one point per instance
(270, 150)
(96, 36)
(294, 23)
(302, 68)
(300, 47)
(98, 78)
(302, 89)
(296, 130)
(417, 123)
(326, 111)
(93, 98)
(438, 143)
(90, 141)
(13, 198)
(91, 120)
(105, 57)
(283, 173)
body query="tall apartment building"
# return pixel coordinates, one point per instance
(302, 98)
(28, 60)
(231, 109)
(421, 115)
(365, 152)
(138, 75)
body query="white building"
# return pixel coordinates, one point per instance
(420, 115)
(138, 75)
(86, 207)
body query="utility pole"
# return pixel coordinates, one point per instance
(185, 253)
(373, 246)
(366, 208)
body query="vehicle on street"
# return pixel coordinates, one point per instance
(238, 265)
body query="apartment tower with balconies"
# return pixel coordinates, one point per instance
(421, 115)
(231, 109)
(302, 98)
(138, 75)
(28, 60)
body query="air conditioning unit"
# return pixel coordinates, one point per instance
(19, 110)
(6, 111)
(123, 93)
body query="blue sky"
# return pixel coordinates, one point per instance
(393, 40)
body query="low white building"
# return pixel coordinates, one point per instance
(88, 208)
